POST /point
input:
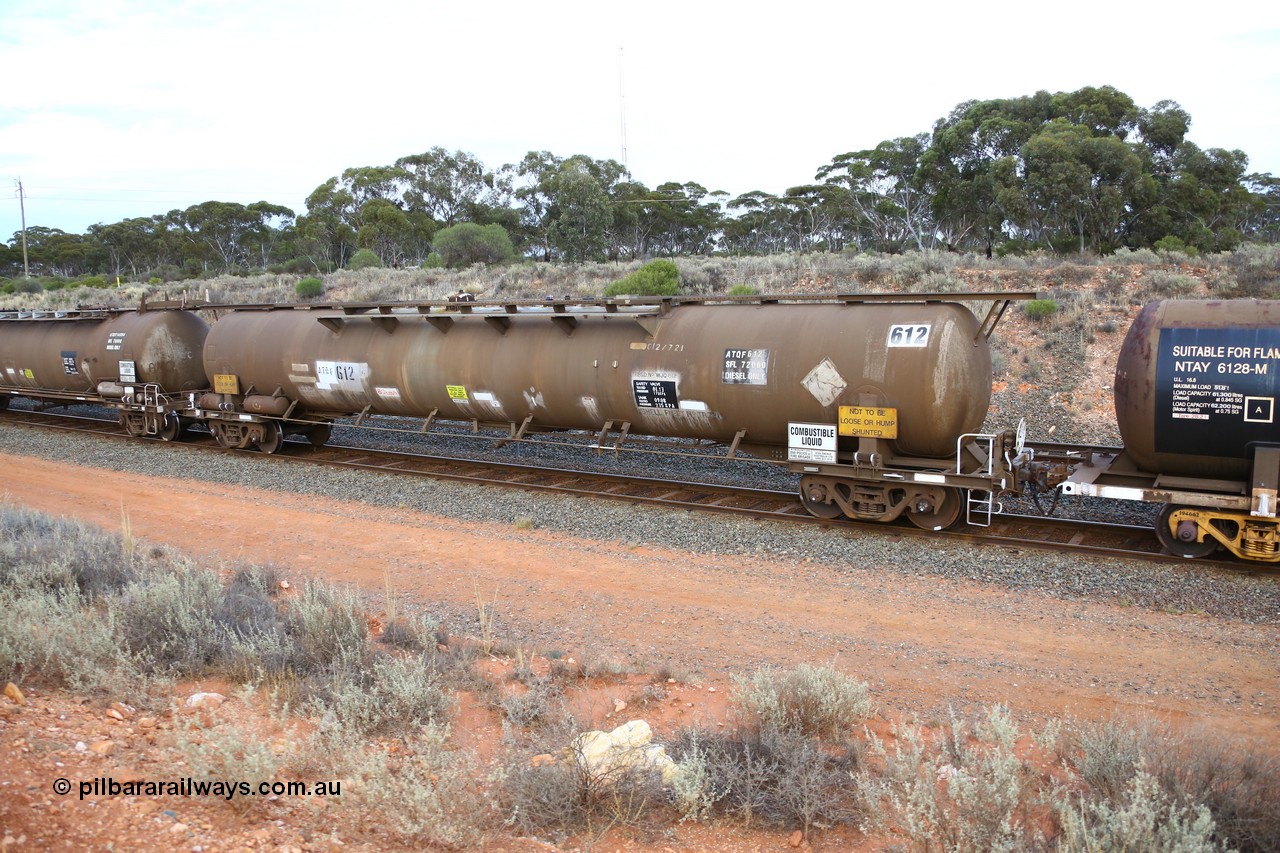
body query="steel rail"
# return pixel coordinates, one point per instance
(1081, 537)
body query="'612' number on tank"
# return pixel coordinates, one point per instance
(908, 335)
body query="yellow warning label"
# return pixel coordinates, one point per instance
(868, 422)
(457, 392)
(226, 383)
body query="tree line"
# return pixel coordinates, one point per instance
(1073, 172)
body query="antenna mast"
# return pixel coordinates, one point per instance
(22, 206)
(622, 108)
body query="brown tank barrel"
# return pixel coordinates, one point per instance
(75, 354)
(698, 371)
(1197, 383)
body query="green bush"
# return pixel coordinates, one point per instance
(1173, 244)
(300, 265)
(309, 288)
(1039, 309)
(364, 259)
(467, 243)
(656, 278)
(743, 290)
(432, 261)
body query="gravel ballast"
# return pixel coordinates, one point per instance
(1252, 598)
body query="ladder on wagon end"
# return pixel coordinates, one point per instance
(980, 504)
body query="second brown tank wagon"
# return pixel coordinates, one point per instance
(733, 373)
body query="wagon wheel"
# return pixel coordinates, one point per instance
(813, 493)
(272, 438)
(132, 426)
(319, 435)
(1188, 548)
(940, 516)
(170, 428)
(219, 435)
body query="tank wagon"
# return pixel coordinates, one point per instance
(866, 397)
(875, 401)
(143, 363)
(1196, 389)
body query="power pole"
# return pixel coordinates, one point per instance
(22, 206)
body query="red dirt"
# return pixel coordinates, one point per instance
(921, 644)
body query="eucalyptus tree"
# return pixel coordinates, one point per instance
(384, 229)
(452, 186)
(1078, 186)
(330, 226)
(140, 243)
(52, 251)
(886, 191)
(583, 214)
(970, 167)
(536, 197)
(758, 224)
(235, 235)
(688, 219)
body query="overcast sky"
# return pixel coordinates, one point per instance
(121, 108)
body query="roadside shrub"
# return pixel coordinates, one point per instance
(569, 795)
(467, 243)
(364, 259)
(868, 269)
(328, 632)
(1143, 818)
(1240, 787)
(421, 795)
(298, 266)
(410, 633)
(766, 776)
(54, 636)
(227, 752)
(1167, 283)
(1107, 754)
(743, 290)
(94, 281)
(395, 696)
(309, 288)
(975, 794)
(542, 701)
(167, 621)
(812, 700)
(656, 278)
(44, 554)
(1039, 309)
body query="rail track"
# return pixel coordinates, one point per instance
(1102, 539)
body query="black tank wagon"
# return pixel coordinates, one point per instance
(1196, 388)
